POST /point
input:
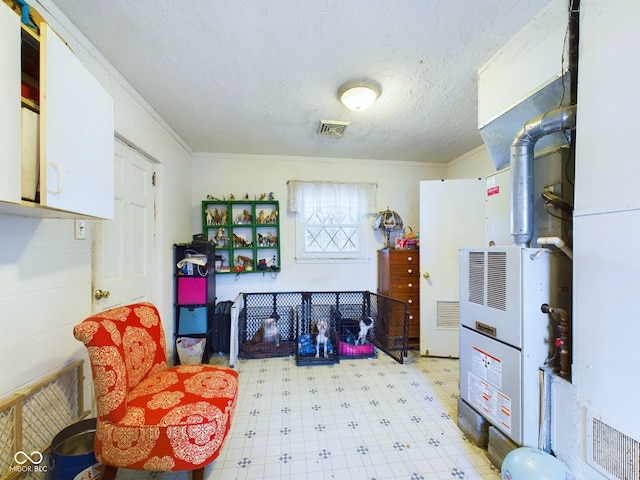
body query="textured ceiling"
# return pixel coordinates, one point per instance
(257, 77)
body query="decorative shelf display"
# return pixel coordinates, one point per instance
(246, 234)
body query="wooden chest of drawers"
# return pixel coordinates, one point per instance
(399, 278)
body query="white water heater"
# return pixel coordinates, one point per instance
(504, 337)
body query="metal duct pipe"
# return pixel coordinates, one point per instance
(522, 149)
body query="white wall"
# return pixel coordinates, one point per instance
(220, 175)
(474, 164)
(607, 227)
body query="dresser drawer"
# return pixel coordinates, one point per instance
(404, 285)
(404, 270)
(411, 299)
(407, 257)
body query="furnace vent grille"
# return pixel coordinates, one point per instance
(612, 452)
(497, 280)
(476, 277)
(490, 269)
(333, 128)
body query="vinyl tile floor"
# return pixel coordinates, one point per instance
(360, 419)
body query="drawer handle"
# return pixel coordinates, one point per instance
(410, 270)
(410, 301)
(410, 285)
(410, 317)
(410, 259)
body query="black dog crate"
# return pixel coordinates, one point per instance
(259, 307)
(297, 316)
(353, 309)
(308, 317)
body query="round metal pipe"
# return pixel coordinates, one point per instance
(522, 156)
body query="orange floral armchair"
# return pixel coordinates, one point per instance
(151, 417)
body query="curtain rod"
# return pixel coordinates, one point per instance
(333, 182)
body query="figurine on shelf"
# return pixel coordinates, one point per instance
(221, 239)
(244, 261)
(245, 217)
(209, 216)
(238, 241)
(272, 241)
(272, 217)
(213, 216)
(261, 217)
(263, 196)
(270, 196)
(232, 197)
(224, 217)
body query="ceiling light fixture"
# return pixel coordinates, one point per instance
(358, 95)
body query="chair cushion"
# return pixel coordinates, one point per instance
(125, 345)
(175, 420)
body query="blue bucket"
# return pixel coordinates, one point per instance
(72, 452)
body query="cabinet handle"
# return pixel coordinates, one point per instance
(410, 259)
(410, 300)
(58, 168)
(410, 317)
(410, 285)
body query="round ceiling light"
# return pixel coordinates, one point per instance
(358, 95)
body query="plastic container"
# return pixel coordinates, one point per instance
(72, 456)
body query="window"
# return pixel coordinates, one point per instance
(331, 219)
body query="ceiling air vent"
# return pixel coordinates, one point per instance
(332, 127)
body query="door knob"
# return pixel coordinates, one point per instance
(98, 294)
(425, 275)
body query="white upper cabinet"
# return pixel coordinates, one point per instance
(73, 158)
(9, 105)
(76, 134)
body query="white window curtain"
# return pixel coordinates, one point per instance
(358, 200)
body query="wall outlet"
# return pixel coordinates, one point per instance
(79, 229)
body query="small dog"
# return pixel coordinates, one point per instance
(366, 324)
(322, 337)
(271, 333)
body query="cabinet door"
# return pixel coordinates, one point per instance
(9, 105)
(76, 134)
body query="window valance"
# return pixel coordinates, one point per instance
(355, 199)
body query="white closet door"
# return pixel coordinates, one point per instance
(77, 132)
(452, 216)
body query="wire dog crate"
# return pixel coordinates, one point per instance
(358, 323)
(256, 337)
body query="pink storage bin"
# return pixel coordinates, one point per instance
(192, 291)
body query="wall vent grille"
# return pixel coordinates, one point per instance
(612, 452)
(448, 315)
